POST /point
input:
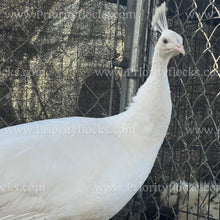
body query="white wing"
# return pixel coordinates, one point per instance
(64, 158)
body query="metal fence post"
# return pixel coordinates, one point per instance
(135, 48)
(125, 64)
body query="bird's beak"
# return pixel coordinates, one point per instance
(179, 48)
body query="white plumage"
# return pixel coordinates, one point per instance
(192, 200)
(88, 168)
(159, 21)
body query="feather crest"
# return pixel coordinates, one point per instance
(159, 21)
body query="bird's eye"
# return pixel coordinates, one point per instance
(165, 41)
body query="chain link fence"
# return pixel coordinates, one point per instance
(184, 183)
(53, 54)
(59, 58)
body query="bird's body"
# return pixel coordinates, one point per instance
(88, 168)
(100, 161)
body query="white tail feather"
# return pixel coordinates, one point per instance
(188, 197)
(159, 21)
(26, 216)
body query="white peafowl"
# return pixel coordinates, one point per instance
(89, 167)
(192, 200)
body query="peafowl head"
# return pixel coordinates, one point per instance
(170, 43)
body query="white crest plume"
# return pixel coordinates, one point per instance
(159, 21)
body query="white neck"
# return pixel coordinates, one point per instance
(159, 66)
(153, 100)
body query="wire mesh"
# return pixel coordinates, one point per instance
(184, 183)
(52, 57)
(57, 60)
